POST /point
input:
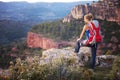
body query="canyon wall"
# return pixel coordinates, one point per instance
(104, 9)
(38, 41)
(34, 41)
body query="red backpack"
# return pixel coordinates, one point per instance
(95, 35)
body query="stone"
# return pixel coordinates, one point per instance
(106, 60)
(84, 52)
(101, 10)
(35, 40)
(53, 55)
(38, 41)
(114, 39)
(67, 53)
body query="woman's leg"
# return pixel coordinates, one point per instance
(93, 58)
(77, 46)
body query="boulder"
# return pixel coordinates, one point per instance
(106, 60)
(48, 56)
(66, 53)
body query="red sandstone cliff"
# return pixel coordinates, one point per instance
(104, 9)
(36, 40)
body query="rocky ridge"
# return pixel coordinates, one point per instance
(103, 9)
(53, 54)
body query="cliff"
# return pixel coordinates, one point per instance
(36, 40)
(52, 55)
(104, 10)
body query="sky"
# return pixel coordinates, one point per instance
(46, 0)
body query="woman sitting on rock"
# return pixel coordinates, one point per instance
(93, 34)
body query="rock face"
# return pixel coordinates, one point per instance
(68, 53)
(104, 9)
(36, 40)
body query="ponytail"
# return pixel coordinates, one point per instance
(89, 16)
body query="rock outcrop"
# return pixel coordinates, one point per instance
(34, 41)
(53, 54)
(67, 53)
(103, 9)
(38, 41)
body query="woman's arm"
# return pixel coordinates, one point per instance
(83, 31)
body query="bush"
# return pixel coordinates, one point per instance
(61, 69)
(31, 69)
(115, 72)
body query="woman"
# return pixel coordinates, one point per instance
(93, 34)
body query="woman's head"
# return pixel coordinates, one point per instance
(88, 17)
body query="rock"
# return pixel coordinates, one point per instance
(66, 53)
(58, 53)
(105, 10)
(106, 60)
(36, 40)
(53, 55)
(106, 57)
(4, 74)
(114, 39)
(84, 52)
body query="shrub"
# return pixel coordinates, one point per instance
(115, 72)
(31, 69)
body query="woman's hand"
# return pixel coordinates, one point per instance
(78, 39)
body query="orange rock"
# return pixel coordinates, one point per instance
(36, 40)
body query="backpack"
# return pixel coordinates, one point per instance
(95, 34)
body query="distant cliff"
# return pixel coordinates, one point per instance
(36, 40)
(104, 9)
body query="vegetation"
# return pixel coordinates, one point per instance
(68, 31)
(12, 30)
(59, 30)
(61, 69)
(110, 30)
(31, 70)
(14, 50)
(115, 72)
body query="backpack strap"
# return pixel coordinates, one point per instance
(93, 30)
(98, 36)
